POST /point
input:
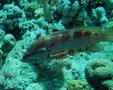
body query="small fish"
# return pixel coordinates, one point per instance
(60, 43)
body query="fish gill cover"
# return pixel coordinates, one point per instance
(56, 44)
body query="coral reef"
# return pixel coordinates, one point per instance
(20, 76)
(54, 74)
(77, 85)
(99, 74)
(34, 86)
(25, 22)
(99, 15)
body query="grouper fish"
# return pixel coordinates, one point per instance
(65, 42)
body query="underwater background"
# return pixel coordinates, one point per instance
(56, 44)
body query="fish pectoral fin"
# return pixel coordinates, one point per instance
(95, 48)
(58, 55)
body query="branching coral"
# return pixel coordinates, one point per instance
(99, 15)
(47, 8)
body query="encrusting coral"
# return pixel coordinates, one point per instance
(18, 75)
(77, 85)
(9, 42)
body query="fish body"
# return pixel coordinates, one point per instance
(59, 44)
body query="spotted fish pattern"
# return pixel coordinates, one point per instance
(61, 43)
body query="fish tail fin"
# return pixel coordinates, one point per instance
(108, 35)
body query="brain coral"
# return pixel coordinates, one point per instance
(99, 74)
